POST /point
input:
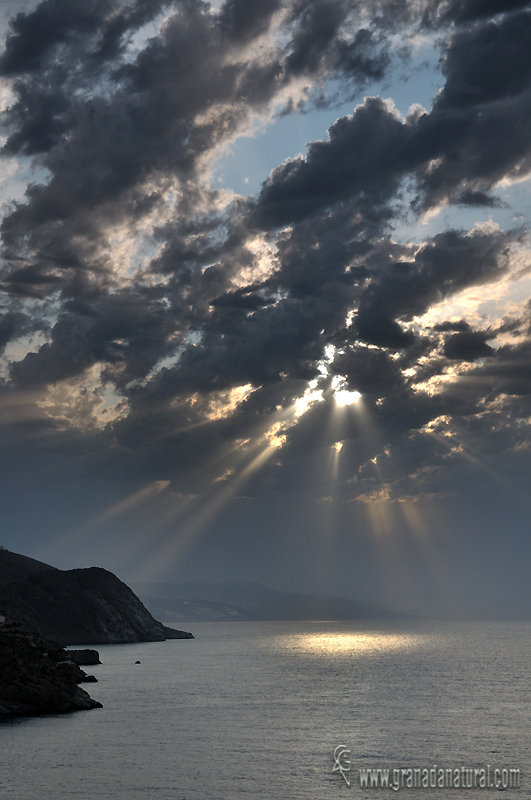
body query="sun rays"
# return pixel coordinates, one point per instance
(351, 482)
(181, 535)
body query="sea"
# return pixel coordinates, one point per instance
(291, 711)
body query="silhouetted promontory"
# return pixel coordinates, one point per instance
(77, 606)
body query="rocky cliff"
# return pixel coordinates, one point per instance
(32, 683)
(77, 606)
(14, 567)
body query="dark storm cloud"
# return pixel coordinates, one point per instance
(11, 325)
(468, 345)
(487, 63)
(472, 138)
(466, 11)
(323, 251)
(243, 21)
(67, 355)
(117, 141)
(474, 135)
(64, 43)
(362, 160)
(461, 326)
(477, 199)
(237, 349)
(448, 263)
(249, 297)
(125, 333)
(104, 26)
(317, 48)
(276, 327)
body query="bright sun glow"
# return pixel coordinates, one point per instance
(346, 398)
(342, 396)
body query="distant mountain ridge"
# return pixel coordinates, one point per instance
(78, 606)
(247, 600)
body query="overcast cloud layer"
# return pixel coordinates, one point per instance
(286, 386)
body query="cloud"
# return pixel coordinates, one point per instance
(405, 289)
(242, 22)
(468, 345)
(467, 11)
(361, 162)
(473, 135)
(11, 325)
(320, 44)
(470, 141)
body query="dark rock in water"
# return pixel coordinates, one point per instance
(68, 660)
(32, 683)
(85, 658)
(137, 662)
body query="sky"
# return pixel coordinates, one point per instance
(265, 295)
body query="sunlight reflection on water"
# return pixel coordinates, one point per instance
(347, 644)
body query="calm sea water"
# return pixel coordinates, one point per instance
(255, 710)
